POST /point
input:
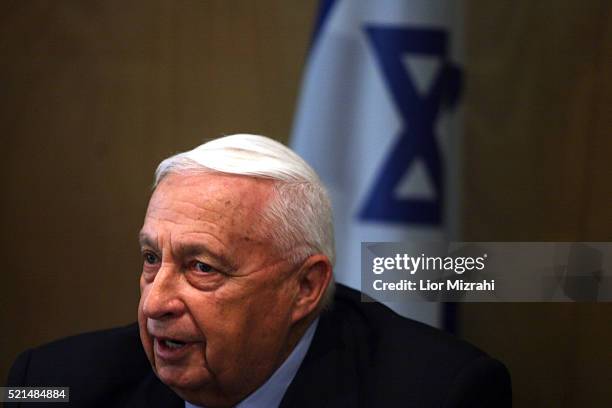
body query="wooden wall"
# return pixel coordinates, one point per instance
(538, 167)
(94, 94)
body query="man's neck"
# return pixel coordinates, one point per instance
(269, 393)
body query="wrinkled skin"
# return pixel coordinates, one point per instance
(212, 280)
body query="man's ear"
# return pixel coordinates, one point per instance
(313, 278)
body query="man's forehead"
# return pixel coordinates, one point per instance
(226, 206)
(209, 213)
(204, 187)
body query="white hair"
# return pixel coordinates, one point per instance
(300, 212)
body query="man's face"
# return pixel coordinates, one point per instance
(216, 298)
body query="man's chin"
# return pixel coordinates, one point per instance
(182, 378)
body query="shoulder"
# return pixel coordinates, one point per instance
(380, 325)
(113, 355)
(107, 368)
(399, 358)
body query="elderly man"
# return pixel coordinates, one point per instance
(239, 308)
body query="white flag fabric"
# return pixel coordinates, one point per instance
(377, 119)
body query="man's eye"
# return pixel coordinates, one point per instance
(203, 267)
(150, 258)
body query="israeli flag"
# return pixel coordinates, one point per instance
(377, 119)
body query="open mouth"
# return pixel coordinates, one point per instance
(173, 344)
(171, 348)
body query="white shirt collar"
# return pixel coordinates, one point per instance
(270, 394)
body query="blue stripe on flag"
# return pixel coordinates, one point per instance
(325, 8)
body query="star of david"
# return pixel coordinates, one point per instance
(419, 113)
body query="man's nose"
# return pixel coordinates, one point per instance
(162, 297)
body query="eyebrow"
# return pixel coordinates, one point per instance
(187, 249)
(145, 240)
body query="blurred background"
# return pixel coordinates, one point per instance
(94, 94)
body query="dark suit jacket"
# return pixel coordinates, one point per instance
(362, 355)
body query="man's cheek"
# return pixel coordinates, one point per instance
(144, 292)
(143, 283)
